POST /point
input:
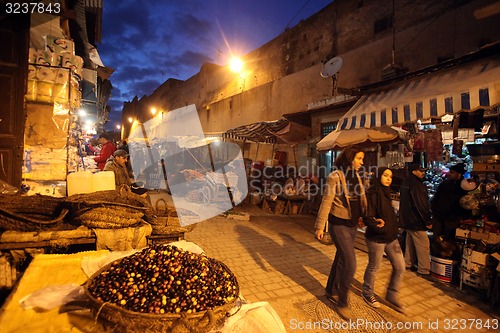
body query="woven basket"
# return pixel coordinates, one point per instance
(31, 213)
(166, 221)
(161, 211)
(110, 218)
(109, 209)
(122, 197)
(120, 320)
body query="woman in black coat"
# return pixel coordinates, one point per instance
(382, 237)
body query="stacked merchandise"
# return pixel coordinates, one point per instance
(51, 131)
(55, 73)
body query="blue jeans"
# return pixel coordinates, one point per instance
(344, 265)
(375, 255)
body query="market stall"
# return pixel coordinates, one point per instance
(275, 180)
(66, 301)
(441, 108)
(111, 220)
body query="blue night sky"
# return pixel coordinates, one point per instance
(148, 42)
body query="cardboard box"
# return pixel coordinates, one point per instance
(479, 258)
(497, 257)
(462, 233)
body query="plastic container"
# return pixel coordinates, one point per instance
(103, 181)
(79, 182)
(444, 270)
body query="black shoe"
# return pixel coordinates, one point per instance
(412, 269)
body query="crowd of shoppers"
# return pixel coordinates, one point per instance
(345, 204)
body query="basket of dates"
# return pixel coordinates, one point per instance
(162, 289)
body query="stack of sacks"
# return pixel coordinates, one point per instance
(49, 84)
(64, 51)
(47, 163)
(45, 87)
(59, 45)
(31, 93)
(75, 96)
(74, 62)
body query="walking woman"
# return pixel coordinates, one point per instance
(382, 236)
(344, 203)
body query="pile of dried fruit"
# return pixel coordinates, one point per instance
(165, 279)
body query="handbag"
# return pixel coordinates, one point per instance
(327, 238)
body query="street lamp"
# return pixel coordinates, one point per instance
(236, 65)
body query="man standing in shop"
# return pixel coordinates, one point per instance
(446, 203)
(415, 216)
(107, 149)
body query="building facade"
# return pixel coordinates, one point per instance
(376, 40)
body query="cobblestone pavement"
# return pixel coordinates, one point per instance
(277, 259)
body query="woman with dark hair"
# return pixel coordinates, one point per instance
(381, 236)
(343, 204)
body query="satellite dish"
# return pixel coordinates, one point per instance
(331, 67)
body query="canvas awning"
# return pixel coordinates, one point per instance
(277, 131)
(366, 136)
(466, 87)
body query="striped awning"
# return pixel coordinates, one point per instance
(449, 91)
(279, 131)
(264, 131)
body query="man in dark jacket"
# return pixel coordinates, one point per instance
(415, 216)
(445, 204)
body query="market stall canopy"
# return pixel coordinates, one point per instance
(281, 130)
(195, 141)
(367, 136)
(449, 91)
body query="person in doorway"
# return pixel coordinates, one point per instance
(446, 209)
(415, 217)
(381, 237)
(107, 150)
(343, 204)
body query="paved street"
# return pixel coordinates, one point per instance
(276, 259)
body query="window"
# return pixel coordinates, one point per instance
(327, 159)
(326, 128)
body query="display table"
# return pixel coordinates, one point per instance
(48, 270)
(284, 204)
(293, 200)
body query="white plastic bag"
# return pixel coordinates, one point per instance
(52, 297)
(259, 317)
